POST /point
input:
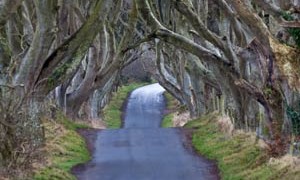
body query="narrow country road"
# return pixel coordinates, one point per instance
(142, 150)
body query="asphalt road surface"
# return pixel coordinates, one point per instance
(142, 150)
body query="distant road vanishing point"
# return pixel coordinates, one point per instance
(142, 150)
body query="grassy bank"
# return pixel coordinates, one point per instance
(64, 148)
(240, 156)
(167, 120)
(172, 106)
(113, 111)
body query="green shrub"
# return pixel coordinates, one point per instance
(294, 115)
(294, 32)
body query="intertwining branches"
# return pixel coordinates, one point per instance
(242, 35)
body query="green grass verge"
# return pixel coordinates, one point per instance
(167, 121)
(113, 111)
(238, 157)
(64, 149)
(172, 107)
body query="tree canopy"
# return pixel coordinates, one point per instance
(236, 56)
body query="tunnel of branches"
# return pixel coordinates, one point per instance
(240, 58)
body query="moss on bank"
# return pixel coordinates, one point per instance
(64, 148)
(113, 111)
(239, 156)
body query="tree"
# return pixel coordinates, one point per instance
(47, 44)
(231, 51)
(226, 55)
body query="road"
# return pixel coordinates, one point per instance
(142, 150)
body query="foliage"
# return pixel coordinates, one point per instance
(113, 111)
(294, 115)
(64, 148)
(238, 157)
(294, 32)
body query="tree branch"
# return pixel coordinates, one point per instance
(138, 43)
(62, 63)
(159, 31)
(290, 24)
(269, 7)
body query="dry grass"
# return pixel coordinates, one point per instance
(180, 119)
(225, 125)
(288, 62)
(287, 161)
(63, 149)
